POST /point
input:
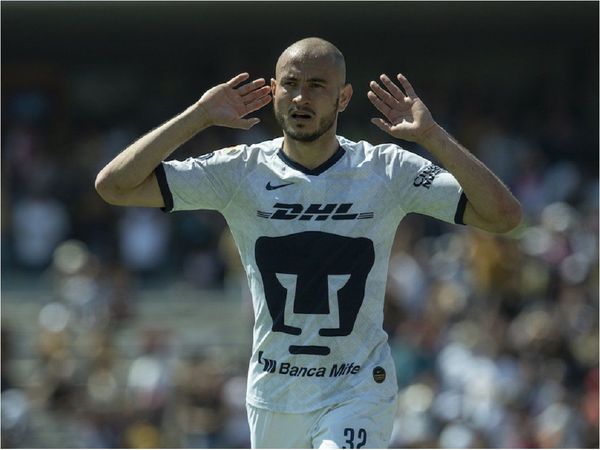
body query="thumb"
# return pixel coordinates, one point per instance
(246, 124)
(381, 124)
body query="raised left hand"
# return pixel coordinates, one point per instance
(407, 116)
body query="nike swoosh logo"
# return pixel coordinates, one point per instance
(270, 187)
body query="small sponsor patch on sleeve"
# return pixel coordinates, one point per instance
(233, 150)
(426, 176)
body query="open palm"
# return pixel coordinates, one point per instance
(227, 104)
(407, 116)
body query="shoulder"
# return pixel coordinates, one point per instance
(265, 148)
(363, 152)
(241, 153)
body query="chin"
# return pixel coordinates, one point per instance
(304, 137)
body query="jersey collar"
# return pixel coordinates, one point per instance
(317, 170)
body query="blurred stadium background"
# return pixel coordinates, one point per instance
(132, 328)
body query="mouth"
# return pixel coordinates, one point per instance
(301, 115)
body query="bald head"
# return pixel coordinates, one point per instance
(313, 49)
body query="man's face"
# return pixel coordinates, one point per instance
(306, 97)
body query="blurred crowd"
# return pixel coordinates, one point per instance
(495, 337)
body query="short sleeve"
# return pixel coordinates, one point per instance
(428, 189)
(205, 182)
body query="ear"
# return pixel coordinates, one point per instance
(273, 86)
(345, 96)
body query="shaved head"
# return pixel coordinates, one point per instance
(313, 48)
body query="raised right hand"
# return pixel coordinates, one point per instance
(226, 105)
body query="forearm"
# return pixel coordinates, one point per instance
(487, 195)
(134, 164)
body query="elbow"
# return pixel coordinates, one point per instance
(511, 217)
(503, 218)
(106, 189)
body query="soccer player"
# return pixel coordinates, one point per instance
(314, 216)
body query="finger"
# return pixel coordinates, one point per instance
(257, 104)
(382, 125)
(383, 94)
(392, 87)
(407, 86)
(246, 88)
(379, 104)
(238, 79)
(253, 95)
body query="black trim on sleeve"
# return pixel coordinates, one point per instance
(167, 196)
(460, 209)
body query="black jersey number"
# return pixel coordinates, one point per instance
(361, 436)
(313, 257)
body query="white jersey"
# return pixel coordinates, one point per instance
(315, 244)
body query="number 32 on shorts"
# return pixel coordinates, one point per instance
(355, 438)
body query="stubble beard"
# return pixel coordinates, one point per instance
(325, 124)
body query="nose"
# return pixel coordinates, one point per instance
(301, 96)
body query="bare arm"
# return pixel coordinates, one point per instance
(129, 179)
(490, 206)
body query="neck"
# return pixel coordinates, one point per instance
(311, 154)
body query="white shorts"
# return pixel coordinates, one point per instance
(357, 423)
